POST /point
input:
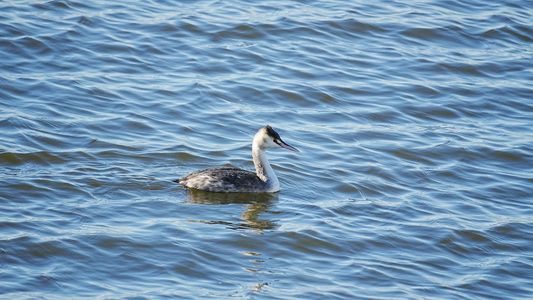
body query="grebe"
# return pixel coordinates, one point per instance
(264, 179)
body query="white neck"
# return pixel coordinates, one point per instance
(263, 169)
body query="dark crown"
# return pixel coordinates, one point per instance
(272, 133)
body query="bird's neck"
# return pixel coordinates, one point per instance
(263, 169)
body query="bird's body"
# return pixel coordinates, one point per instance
(226, 179)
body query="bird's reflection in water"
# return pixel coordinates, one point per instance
(255, 205)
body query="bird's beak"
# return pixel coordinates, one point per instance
(282, 144)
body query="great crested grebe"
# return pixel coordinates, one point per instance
(264, 179)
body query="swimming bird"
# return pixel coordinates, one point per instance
(228, 179)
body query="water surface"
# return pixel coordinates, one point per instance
(414, 120)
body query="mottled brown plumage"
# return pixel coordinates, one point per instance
(225, 180)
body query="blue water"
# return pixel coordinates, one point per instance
(414, 120)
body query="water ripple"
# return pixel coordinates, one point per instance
(413, 121)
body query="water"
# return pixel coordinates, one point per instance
(413, 117)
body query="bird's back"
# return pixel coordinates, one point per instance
(224, 180)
